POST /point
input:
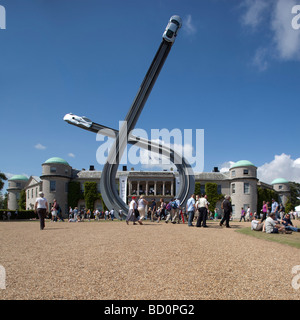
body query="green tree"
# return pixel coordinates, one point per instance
(22, 200)
(289, 206)
(211, 190)
(197, 188)
(90, 194)
(74, 193)
(267, 195)
(295, 194)
(2, 179)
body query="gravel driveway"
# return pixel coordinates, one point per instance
(112, 260)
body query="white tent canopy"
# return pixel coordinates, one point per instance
(297, 208)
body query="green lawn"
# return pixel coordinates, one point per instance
(288, 239)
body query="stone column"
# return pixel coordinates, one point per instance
(155, 188)
(172, 188)
(129, 187)
(164, 188)
(147, 187)
(138, 188)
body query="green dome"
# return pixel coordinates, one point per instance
(279, 180)
(242, 163)
(19, 177)
(57, 160)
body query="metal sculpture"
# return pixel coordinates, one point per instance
(108, 188)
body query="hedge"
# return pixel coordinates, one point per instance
(22, 214)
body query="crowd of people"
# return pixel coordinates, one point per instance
(196, 210)
(271, 219)
(274, 219)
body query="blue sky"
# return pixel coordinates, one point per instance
(232, 71)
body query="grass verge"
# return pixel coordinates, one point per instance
(292, 240)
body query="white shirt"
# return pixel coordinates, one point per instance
(202, 202)
(41, 203)
(132, 205)
(254, 224)
(269, 224)
(141, 203)
(190, 204)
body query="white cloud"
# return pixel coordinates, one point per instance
(72, 155)
(255, 10)
(282, 166)
(276, 15)
(226, 166)
(188, 25)
(260, 59)
(286, 39)
(39, 146)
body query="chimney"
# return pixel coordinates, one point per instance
(92, 168)
(124, 168)
(216, 169)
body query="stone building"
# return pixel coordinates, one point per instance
(240, 182)
(15, 185)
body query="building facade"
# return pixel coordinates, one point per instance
(240, 182)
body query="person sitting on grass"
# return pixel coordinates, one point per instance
(256, 225)
(286, 221)
(273, 226)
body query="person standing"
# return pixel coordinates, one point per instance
(70, 213)
(141, 206)
(131, 213)
(264, 211)
(191, 210)
(248, 214)
(227, 211)
(274, 209)
(242, 214)
(176, 209)
(41, 208)
(216, 214)
(153, 209)
(112, 214)
(202, 206)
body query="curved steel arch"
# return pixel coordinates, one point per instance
(107, 182)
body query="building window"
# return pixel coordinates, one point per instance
(246, 207)
(52, 186)
(233, 188)
(246, 188)
(53, 169)
(36, 192)
(219, 190)
(66, 171)
(246, 171)
(28, 195)
(18, 185)
(233, 209)
(233, 173)
(31, 193)
(280, 187)
(18, 196)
